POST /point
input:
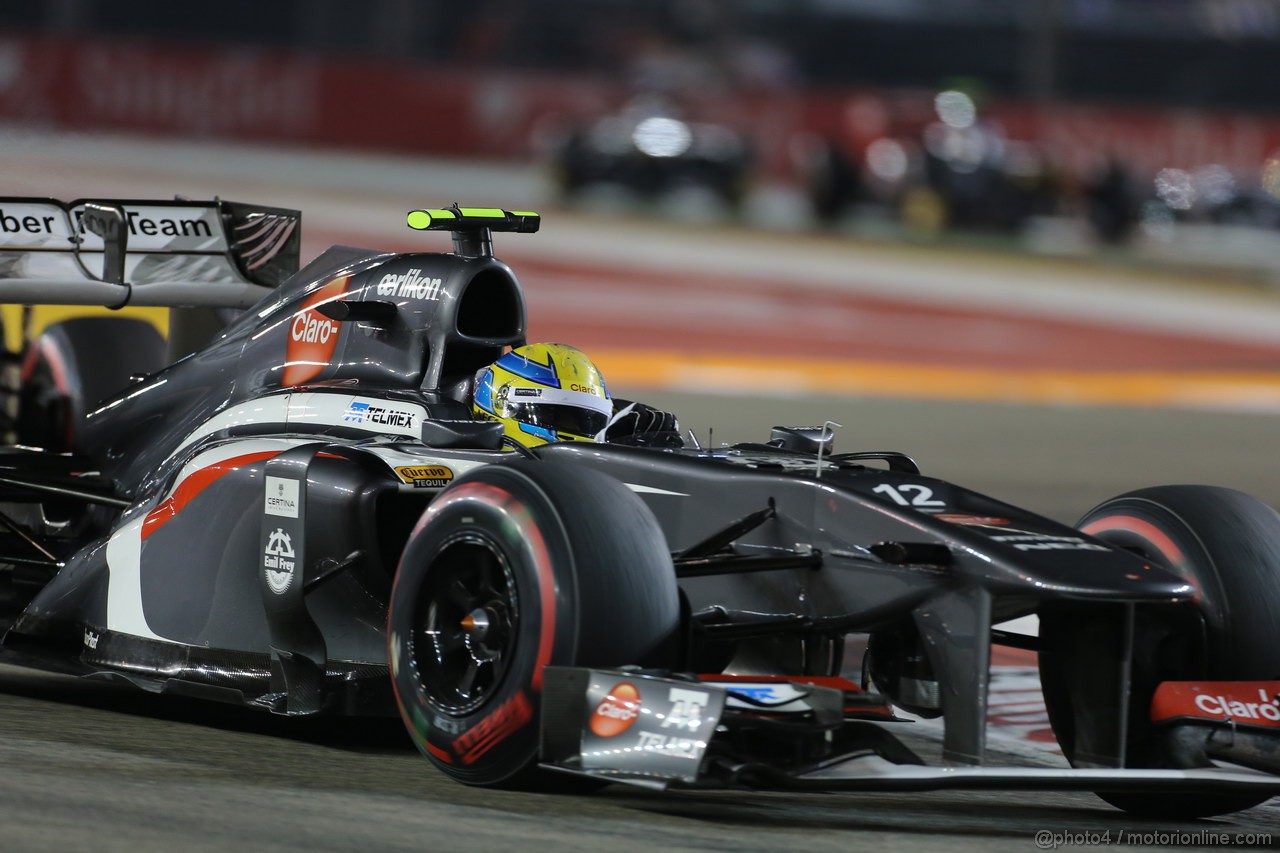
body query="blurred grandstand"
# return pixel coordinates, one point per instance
(1066, 125)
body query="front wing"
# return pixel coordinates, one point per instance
(681, 732)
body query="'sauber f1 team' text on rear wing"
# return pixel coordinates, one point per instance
(215, 254)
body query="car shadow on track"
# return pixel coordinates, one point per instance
(976, 814)
(360, 734)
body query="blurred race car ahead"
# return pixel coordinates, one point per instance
(650, 150)
(304, 515)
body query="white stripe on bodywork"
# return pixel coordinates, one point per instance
(264, 410)
(650, 490)
(310, 410)
(124, 582)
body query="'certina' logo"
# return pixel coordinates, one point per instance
(281, 497)
(278, 562)
(367, 413)
(617, 711)
(1265, 708)
(412, 284)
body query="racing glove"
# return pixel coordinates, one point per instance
(638, 425)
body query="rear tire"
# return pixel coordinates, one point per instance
(75, 365)
(1225, 543)
(512, 568)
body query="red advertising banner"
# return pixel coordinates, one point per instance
(257, 95)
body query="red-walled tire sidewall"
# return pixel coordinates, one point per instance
(556, 562)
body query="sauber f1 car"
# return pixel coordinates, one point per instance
(289, 506)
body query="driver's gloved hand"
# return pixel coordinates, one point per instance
(639, 425)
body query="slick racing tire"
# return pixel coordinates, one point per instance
(1227, 545)
(73, 366)
(513, 568)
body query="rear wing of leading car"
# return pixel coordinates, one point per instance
(175, 254)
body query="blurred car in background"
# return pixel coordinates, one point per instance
(956, 170)
(649, 150)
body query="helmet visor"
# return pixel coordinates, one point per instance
(574, 420)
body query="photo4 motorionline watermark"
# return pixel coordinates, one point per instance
(1052, 839)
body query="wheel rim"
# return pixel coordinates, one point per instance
(465, 624)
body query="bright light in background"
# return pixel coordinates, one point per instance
(955, 109)
(662, 137)
(1175, 188)
(887, 159)
(964, 149)
(1271, 175)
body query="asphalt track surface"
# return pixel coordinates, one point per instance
(96, 769)
(86, 766)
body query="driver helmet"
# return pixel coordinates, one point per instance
(542, 393)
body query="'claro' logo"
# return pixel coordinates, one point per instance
(617, 711)
(1265, 708)
(313, 328)
(313, 337)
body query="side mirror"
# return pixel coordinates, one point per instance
(483, 435)
(804, 439)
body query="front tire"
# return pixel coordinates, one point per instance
(1226, 544)
(511, 569)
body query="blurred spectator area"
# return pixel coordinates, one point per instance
(1137, 117)
(1189, 53)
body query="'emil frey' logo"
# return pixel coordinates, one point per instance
(278, 561)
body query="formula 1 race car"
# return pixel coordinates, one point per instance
(292, 509)
(649, 149)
